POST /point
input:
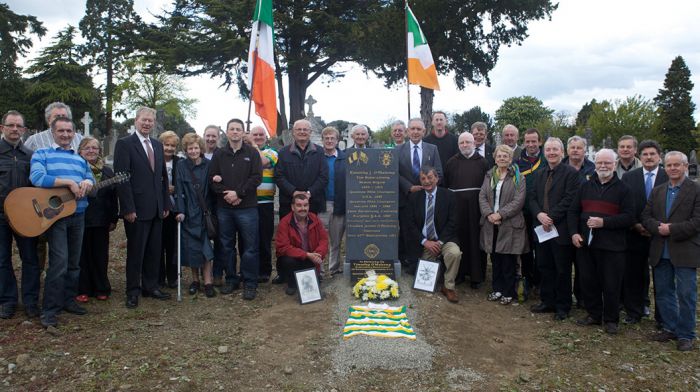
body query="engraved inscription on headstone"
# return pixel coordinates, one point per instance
(372, 210)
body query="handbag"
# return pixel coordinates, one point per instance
(210, 220)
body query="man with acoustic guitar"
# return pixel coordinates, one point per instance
(53, 167)
(14, 173)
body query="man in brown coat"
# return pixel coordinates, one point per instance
(672, 216)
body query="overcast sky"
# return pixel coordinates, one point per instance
(593, 49)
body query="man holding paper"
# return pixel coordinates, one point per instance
(554, 189)
(599, 220)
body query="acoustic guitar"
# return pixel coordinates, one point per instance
(31, 211)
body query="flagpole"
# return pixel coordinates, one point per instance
(408, 85)
(252, 84)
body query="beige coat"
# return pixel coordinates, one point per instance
(512, 233)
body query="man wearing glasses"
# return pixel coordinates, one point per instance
(302, 168)
(14, 172)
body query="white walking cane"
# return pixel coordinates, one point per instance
(179, 266)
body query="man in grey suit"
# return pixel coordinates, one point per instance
(672, 216)
(412, 156)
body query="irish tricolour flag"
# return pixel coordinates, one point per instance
(421, 67)
(261, 66)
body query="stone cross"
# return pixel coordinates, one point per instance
(310, 101)
(132, 130)
(86, 120)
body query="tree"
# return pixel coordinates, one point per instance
(311, 37)
(523, 112)
(14, 39)
(584, 114)
(634, 115)
(463, 122)
(111, 31)
(57, 76)
(147, 85)
(675, 108)
(464, 37)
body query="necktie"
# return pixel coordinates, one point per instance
(649, 184)
(151, 157)
(416, 162)
(429, 219)
(547, 187)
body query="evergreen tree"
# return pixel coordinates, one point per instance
(584, 114)
(57, 76)
(111, 29)
(463, 122)
(675, 108)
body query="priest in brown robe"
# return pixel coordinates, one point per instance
(464, 174)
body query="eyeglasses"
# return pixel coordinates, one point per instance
(302, 129)
(17, 126)
(90, 148)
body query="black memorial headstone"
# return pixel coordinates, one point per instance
(372, 217)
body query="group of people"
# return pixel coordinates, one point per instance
(536, 213)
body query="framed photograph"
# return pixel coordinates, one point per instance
(426, 276)
(307, 286)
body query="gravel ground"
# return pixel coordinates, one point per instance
(367, 352)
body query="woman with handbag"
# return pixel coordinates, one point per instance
(193, 204)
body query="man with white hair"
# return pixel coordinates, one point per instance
(464, 174)
(360, 136)
(554, 189)
(598, 222)
(672, 216)
(398, 134)
(509, 137)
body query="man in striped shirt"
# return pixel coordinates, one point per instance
(44, 139)
(266, 198)
(53, 167)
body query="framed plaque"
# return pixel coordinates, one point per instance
(426, 276)
(307, 286)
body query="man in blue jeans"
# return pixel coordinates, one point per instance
(54, 167)
(236, 172)
(14, 173)
(672, 216)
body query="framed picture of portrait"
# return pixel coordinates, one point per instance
(307, 286)
(426, 276)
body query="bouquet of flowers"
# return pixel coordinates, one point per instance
(376, 287)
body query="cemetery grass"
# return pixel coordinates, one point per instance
(274, 344)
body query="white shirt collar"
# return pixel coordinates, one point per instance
(142, 138)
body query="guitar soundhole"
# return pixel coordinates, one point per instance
(55, 202)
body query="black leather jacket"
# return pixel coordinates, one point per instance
(14, 169)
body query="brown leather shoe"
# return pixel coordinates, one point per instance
(450, 294)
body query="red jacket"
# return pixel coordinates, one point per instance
(288, 240)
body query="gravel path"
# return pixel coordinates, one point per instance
(368, 352)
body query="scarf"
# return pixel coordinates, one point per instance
(513, 170)
(97, 169)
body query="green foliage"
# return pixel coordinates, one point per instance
(461, 122)
(675, 108)
(14, 39)
(111, 30)
(464, 37)
(558, 125)
(57, 76)
(523, 112)
(584, 114)
(634, 115)
(383, 134)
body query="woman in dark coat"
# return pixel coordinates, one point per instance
(503, 232)
(100, 219)
(190, 180)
